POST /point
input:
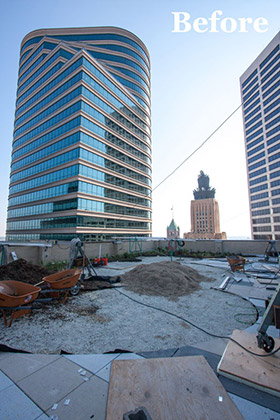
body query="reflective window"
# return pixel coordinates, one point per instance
(48, 164)
(276, 49)
(63, 101)
(273, 131)
(60, 53)
(273, 140)
(34, 65)
(54, 69)
(118, 59)
(267, 76)
(255, 134)
(274, 165)
(250, 93)
(95, 37)
(31, 41)
(50, 85)
(132, 75)
(275, 183)
(269, 91)
(260, 212)
(275, 95)
(275, 192)
(51, 135)
(258, 188)
(273, 122)
(46, 179)
(97, 101)
(274, 174)
(273, 105)
(251, 152)
(73, 221)
(256, 165)
(251, 99)
(260, 204)
(258, 180)
(125, 50)
(259, 196)
(272, 114)
(253, 113)
(245, 83)
(45, 45)
(276, 76)
(133, 86)
(253, 128)
(47, 138)
(274, 148)
(113, 88)
(270, 64)
(253, 143)
(248, 109)
(274, 157)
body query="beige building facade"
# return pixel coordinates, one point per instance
(205, 215)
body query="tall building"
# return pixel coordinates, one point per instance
(260, 91)
(205, 216)
(81, 156)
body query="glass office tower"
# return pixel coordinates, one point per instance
(260, 91)
(81, 157)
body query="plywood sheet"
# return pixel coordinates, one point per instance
(260, 372)
(274, 282)
(182, 388)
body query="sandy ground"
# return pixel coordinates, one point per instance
(105, 320)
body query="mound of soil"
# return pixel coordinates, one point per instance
(168, 279)
(21, 270)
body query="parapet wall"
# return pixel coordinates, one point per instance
(51, 252)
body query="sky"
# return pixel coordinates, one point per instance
(195, 87)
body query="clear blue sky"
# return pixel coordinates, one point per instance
(195, 86)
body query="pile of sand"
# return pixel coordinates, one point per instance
(168, 279)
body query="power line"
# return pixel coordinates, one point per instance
(199, 147)
(199, 328)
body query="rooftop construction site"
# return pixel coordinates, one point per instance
(140, 329)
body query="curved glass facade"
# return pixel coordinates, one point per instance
(82, 145)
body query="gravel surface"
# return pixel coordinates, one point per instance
(105, 320)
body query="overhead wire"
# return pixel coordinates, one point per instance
(199, 147)
(122, 216)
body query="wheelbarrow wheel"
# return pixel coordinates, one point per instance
(76, 289)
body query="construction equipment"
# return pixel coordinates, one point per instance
(270, 317)
(236, 263)
(88, 271)
(271, 251)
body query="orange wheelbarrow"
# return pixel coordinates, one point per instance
(236, 263)
(63, 282)
(15, 297)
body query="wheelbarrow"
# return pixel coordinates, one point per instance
(15, 297)
(62, 283)
(236, 263)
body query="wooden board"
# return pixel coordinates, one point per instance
(273, 282)
(260, 372)
(182, 388)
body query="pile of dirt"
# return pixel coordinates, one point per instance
(168, 279)
(21, 270)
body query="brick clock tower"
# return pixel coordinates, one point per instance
(205, 217)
